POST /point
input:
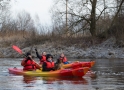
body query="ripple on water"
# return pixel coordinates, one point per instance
(108, 75)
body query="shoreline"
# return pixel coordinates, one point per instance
(105, 50)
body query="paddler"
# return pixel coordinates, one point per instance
(29, 64)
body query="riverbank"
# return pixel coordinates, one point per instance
(107, 50)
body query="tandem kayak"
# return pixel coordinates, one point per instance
(77, 72)
(77, 64)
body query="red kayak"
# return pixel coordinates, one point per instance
(77, 72)
(78, 64)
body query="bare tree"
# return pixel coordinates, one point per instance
(4, 16)
(82, 15)
(24, 22)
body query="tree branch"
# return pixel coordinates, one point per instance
(101, 13)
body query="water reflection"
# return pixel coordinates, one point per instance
(105, 75)
(51, 80)
(29, 79)
(55, 83)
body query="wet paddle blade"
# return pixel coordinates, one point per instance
(16, 48)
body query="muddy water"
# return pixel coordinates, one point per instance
(106, 75)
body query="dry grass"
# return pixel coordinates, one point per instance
(28, 39)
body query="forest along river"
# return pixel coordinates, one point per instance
(108, 75)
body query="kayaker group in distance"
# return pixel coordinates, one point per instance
(46, 62)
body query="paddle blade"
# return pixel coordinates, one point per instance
(16, 48)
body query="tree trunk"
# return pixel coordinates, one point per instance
(93, 20)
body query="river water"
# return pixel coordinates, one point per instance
(106, 75)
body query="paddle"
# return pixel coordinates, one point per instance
(16, 48)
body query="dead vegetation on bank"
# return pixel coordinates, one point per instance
(31, 38)
(80, 29)
(28, 37)
(57, 37)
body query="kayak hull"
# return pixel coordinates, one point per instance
(77, 72)
(79, 64)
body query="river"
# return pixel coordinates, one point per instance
(107, 75)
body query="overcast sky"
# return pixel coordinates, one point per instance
(40, 7)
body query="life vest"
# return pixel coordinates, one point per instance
(29, 65)
(42, 59)
(64, 59)
(49, 64)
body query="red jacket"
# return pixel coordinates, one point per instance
(42, 59)
(48, 66)
(64, 59)
(29, 64)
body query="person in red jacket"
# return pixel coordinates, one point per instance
(49, 64)
(63, 58)
(41, 57)
(29, 64)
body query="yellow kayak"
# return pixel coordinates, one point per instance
(77, 72)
